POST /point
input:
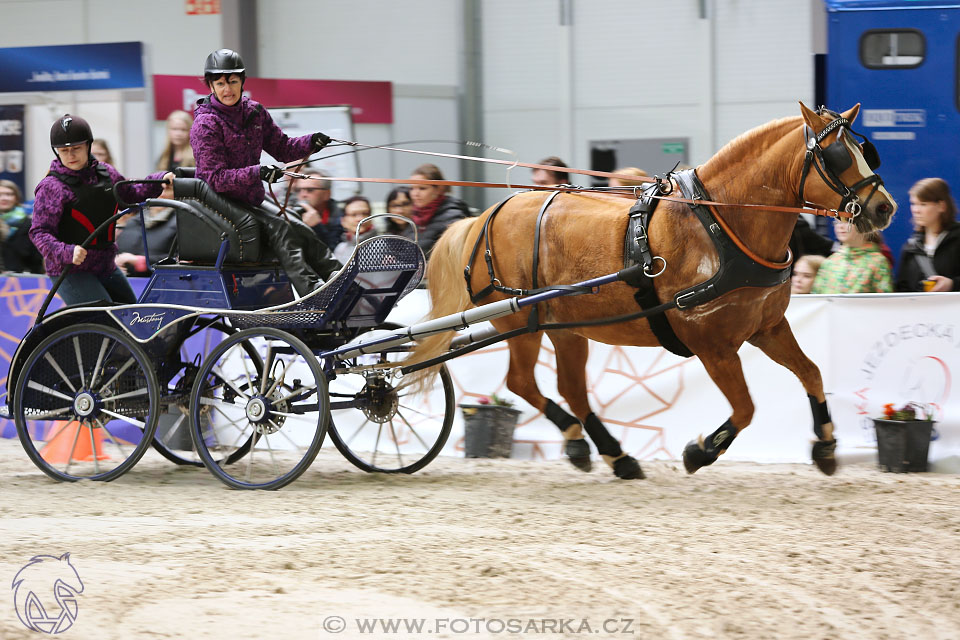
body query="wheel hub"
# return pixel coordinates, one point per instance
(257, 410)
(84, 404)
(381, 401)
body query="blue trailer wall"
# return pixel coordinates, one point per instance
(909, 109)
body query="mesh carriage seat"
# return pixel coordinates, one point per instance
(381, 270)
(199, 243)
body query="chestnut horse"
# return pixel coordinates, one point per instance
(582, 236)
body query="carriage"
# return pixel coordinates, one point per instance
(287, 370)
(219, 343)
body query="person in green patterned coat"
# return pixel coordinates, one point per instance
(858, 267)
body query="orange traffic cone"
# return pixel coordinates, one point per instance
(72, 442)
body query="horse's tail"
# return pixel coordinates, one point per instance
(448, 294)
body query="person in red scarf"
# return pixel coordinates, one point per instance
(433, 209)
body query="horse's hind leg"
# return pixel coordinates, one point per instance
(726, 372)
(572, 352)
(524, 351)
(781, 346)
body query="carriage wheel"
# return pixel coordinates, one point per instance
(172, 439)
(378, 423)
(280, 415)
(86, 403)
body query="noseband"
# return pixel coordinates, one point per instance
(834, 160)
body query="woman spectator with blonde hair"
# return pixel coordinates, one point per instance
(930, 260)
(858, 267)
(629, 179)
(177, 152)
(433, 209)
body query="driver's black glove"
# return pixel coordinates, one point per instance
(271, 173)
(320, 140)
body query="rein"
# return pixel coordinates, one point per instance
(828, 213)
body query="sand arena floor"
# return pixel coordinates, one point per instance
(476, 548)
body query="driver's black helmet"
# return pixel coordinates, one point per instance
(223, 62)
(69, 131)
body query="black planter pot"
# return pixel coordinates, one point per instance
(903, 445)
(488, 430)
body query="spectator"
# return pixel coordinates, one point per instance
(229, 134)
(805, 240)
(19, 254)
(433, 209)
(177, 151)
(930, 260)
(858, 267)
(544, 178)
(161, 231)
(399, 203)
(317, 208)
(100, 150)
(73, 199)
(804, 273)
(629, 177)
(355, 209)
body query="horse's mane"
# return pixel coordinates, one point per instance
(745, 144)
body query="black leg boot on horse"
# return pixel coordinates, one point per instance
(576, 448)
(705, 451)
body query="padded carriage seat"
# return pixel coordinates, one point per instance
(199, 243)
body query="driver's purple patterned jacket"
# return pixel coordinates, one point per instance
(227, 143)
(52, 196)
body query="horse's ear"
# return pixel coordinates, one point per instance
(813, 120)
(851, 115)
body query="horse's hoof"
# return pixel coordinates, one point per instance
(627, 468)
(695, 457)
(824, 456)
(578, 451)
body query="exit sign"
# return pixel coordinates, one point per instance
(672, 147)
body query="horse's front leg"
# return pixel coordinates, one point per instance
(781, 346)
(726, 372)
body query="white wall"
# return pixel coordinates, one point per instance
(621, 68)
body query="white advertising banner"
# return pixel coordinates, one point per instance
(871, 350)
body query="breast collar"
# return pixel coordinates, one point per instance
(736, 270)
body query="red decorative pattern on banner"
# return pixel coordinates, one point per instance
(202, 7)
(371, 102)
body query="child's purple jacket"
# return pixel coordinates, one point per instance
(52, 197)
(227, 143)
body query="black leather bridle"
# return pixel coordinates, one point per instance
(835, 159)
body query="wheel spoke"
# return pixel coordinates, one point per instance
(73, 447)
(412, 430)
(365, 422)
(396, 441)
(93, 450)
(124, 418)
(96, 368)
(53, 392)
(217, 372)
(76, 347)
(128, 394)
(126, 365)
(267, 364)
(276, 467)
(312, 388)
(110, 436)
(56, 367)
(279, 380)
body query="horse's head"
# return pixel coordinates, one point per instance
(845, 178)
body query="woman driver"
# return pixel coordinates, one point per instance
(229, 133)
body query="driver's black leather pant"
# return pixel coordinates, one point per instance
(308, 261)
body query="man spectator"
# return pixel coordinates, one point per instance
(317, 208)
(544, 178)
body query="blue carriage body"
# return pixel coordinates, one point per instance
(900, 59)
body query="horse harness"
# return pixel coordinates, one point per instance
(737, 269)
